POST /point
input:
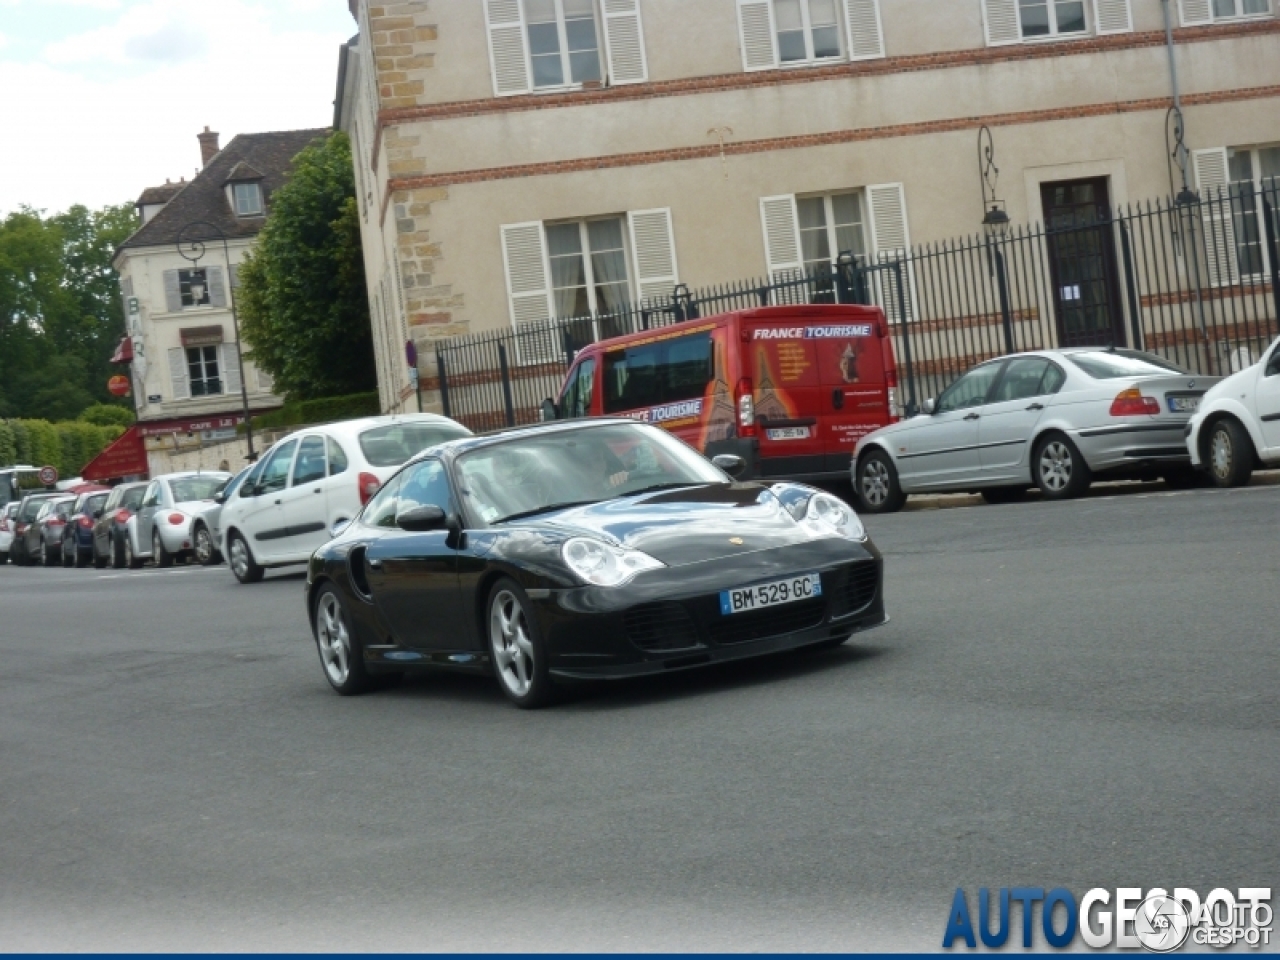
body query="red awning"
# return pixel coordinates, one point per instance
(125, 457)
(124, 351)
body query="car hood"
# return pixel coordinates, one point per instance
(1238, 381)
(687, 525)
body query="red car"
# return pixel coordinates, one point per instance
(790, 390)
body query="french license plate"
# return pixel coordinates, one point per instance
(788, 433)
(743, 599)
(1184, 404)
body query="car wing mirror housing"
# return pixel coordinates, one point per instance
(550, 410)
(421, 519)
(730, 463)
(928, 407)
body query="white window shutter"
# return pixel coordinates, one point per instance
(624, 42)
(1194, 13)
(172, 292)
(217, 291)
(178, 372)
(1213, 180)
(653, 244)
(758, 35)
(781, 235)
(524, 254)
(229, 364)
(1112, 16)
(891, 240)
(866, 35)
(1000, 18)
(507, 52)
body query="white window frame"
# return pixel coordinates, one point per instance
(1255, 166)
(1239, 5)
(1054, 34)
(204, 369)
(809, 59)
(584, 241)
(256, 194)
(597, 17)
(828, 212)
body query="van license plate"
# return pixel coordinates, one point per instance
(1184, 404)
(788, 433)
(804, 587)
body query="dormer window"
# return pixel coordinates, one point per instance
(248, 199)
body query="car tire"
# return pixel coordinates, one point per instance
(1229, 453)
(240, 557)
(1060, 472)
(53, 556)
(4, 558)
(996, 495)
(131, 559)
(876, 485)
(516, 648)
(99, 563)
(341, 657)
(118, 559)
(161, 556)
(204, 551)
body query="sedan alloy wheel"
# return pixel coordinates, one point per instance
(339, 655)
(1060, 470)
(513, 642)
(876, 484)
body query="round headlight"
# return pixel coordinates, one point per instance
(604, 564)
(826, 515)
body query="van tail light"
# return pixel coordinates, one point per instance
(743, 400)
(85, 522)
(177, 519)
(895, 412)
(368, 485)
(123, 515)
(1131, 403)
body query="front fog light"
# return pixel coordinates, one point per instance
(604, 564)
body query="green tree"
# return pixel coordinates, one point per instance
(107, 415)
(303, 307)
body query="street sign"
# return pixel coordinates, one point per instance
(48, 476)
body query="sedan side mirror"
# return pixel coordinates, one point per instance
(927, 407)
(549, 410)
(730, 463)
(421, 519)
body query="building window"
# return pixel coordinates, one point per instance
(564, 46)
(202, 371)
(1051, 18)
(248, 198)
(807, 30)
(829, 226)
(1223, 9)
(588, 267)
(187, 279)
(1251, 171)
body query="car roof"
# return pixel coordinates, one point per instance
(351, 428)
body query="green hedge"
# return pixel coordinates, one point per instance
(68, 445)
(320, 410)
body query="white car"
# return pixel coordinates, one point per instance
(1237, 427)
(161, 530)
(7, 513)
(314, 480)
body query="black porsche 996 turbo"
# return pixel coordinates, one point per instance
(583, 550)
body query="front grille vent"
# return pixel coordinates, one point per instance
(769, 622)
(661, 626)
(853, 588)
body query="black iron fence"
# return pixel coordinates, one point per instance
(1196, 280)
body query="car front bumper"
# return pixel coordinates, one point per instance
(670, 619)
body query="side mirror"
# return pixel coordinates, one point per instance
(730, 463)
(220, 497)
(421, 519)
(338, 526)
(549, 410)
(927, 407)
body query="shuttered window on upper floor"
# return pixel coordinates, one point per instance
(784, 33)
(564, 44)
(1022, 21)
(1199, 12)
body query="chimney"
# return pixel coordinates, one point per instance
(208, 145)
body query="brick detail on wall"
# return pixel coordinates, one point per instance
(822, 139)
(433, 309)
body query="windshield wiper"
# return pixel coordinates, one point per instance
(547, 509)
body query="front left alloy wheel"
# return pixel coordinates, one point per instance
(876, 484)
(340, 655)
(519, 658)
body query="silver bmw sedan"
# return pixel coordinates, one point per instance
(1055, 419)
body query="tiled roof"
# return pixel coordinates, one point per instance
(205, 199)
(160, 194)
(242, 172)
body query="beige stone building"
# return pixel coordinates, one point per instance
(524, 159)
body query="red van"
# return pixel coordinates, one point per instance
(788, 389)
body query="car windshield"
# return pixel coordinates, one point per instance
(94, 502)
(195, 488)
(28, 512)
(395, 443)
(527, 475)
(1119, 364)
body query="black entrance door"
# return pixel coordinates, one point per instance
(1082, 261)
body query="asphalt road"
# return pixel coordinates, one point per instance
(1078, 695)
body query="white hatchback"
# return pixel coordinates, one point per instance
(315, 479)
(1237, 427)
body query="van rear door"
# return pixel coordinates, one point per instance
(855, 392)
(782, 365)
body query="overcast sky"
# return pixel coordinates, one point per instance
(103, 98)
